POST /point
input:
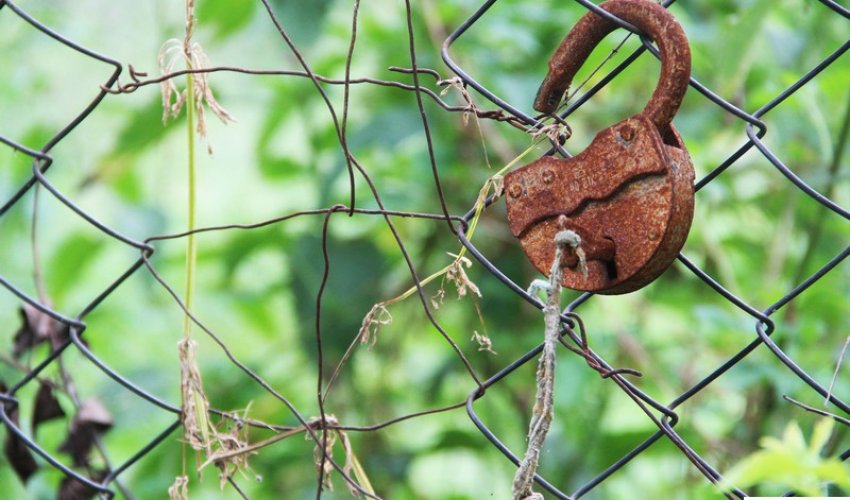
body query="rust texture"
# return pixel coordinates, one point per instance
(629, 195)
(656, 23)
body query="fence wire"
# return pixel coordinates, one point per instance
(66, 331)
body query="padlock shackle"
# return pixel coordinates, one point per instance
(656, 23)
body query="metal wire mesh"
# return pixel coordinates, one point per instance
(662, 413)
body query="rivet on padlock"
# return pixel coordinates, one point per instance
(629, 195)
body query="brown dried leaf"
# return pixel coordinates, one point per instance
(350, 461)
(556, 132)
(47, 407)
(226, 458)
(484, 342)
(326, 467)
(72, 488)
(180, 489)
(330, 437)
(36, 327)
(498, 184)
(348, 468)
(172, 52)
(169, 54)
(203, 92)
(16, 451)
(91, 421)
(437, 298)
(352, 467)
(229, 450)
(372, 322)
(458, 84)
(197, 429)
(457, 275)
(93, 413)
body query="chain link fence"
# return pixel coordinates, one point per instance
(65, 331)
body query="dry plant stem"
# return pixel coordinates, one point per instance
(543, 412)
(349, 158)
(432, 158)
(817, 411)
(320, 357)
(237, 488)
(423, 299)
(497, 115)
(329, 424)
(194, 405)
(300, 213)
(321, 211)
(412, 269)
(252, 447)
(250, 373)
(352, 463)
(838, 363)
(494, 183)
(345, 102)
(179, 490)
(409, 416)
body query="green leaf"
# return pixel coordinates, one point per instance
(278, 158)
(820, 435)
(736, 47)
(140, 132)
(69, 262)
(143, 128)
(226, 17)
(790, 463)
(303, 20)
(793, 438)
(20, 164)
(835, 471)
(759, 467)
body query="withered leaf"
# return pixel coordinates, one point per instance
(16, 451)
(91, 420)
(72, 488)
(46, 406)
(36, 327)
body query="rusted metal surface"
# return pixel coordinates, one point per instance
(629, 195)
(656, 23)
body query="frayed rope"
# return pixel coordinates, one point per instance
(543, 411)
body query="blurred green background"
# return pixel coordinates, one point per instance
(753, 231)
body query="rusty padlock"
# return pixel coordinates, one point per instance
(629, 196)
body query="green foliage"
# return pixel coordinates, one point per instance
(753, 232)
(792, 464)
(70, 261)
(226, 17)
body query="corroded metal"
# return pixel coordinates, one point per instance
(629, 195)
(658, 24)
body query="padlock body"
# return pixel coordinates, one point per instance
(631, 186)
